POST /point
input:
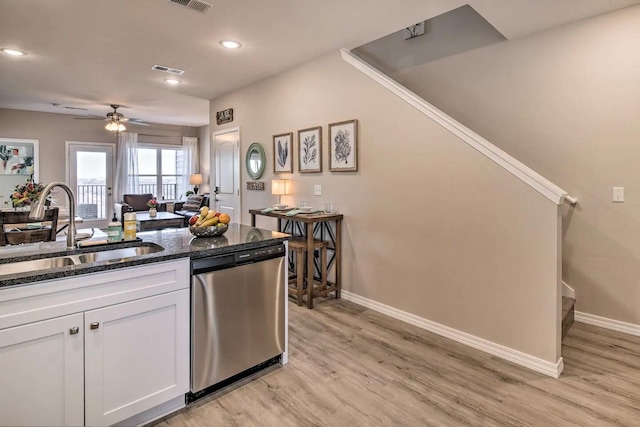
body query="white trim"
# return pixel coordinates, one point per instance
(518, 169)
(568, 291)
(606, 323)
(531, 362)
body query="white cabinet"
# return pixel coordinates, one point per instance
(42, 373)
(136, 356)
(129, 353)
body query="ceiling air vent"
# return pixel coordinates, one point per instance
(167, 69)
(197, 5)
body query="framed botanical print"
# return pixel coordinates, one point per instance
(283, 153)
(343, 146)
(310, 150)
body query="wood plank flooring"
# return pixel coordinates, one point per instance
(350, 366)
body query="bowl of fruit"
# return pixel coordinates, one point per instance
(209, 223)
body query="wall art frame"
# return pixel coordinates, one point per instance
(283, 153)
(343, 146)
(310, 150)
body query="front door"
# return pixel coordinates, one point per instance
(226, 148)
(90, 172)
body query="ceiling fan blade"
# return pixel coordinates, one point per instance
(89, 118)
(138, 123)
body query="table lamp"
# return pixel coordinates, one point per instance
(279, 187)
(195, 180)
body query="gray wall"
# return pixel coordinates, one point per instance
(566, 102)
(52, 130)
(431, 226)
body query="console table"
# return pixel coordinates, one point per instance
(316, 225)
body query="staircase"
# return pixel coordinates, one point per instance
(567, 315)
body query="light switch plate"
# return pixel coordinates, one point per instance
(317, 190)
(618, 194)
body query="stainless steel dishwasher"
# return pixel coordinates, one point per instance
(237, 313)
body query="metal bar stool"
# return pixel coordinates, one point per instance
(297, 276)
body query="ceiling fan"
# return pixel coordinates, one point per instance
(115, 121)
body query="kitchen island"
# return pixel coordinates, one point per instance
(104, 342)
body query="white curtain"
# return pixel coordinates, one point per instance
(190, 165)
(126, 181)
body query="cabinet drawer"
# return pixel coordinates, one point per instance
(54, 298)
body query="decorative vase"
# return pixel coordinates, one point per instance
(153, 212)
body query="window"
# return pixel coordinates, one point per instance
(160, 170)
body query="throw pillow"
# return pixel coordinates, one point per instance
(193, 203)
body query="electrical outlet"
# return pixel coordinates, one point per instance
(317, 190)
(618, 194)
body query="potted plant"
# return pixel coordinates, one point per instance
(153, 207)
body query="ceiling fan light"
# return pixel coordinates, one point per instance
(121, 127)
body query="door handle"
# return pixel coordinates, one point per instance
(73, 331)
(94, 325)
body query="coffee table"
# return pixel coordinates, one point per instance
(162, 220)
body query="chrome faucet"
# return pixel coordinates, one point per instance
(37, 210)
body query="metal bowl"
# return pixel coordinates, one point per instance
(208, 231)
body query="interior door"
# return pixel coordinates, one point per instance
(226, 149)
(91, 171)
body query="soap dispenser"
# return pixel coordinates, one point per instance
(114, 229)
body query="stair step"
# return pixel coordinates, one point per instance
(567, 314)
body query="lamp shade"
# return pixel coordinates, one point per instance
(279, 186)
(195, 179)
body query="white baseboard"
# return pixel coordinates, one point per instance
(568, 291)
(506, 353)
(606, 323)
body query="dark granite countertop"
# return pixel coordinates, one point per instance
(177, 243)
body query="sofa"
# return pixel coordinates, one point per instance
(139, 204)
(191, 206)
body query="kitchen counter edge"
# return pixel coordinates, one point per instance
(177, 243)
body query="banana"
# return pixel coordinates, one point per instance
(210, 222)
(200, 221)
(211, 214)
(204, 211)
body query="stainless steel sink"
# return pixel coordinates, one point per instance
(117, 255)
(111, 256)
(36, 264)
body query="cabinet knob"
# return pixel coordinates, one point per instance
(94, 325)
(74, 330)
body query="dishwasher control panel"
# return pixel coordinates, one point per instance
(258, 254)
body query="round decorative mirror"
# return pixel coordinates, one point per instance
(256, 160)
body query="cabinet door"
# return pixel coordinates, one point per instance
(136, 356)
(41, 373)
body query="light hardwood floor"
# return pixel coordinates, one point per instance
(350, 366)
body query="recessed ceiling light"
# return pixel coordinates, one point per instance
(13, 52)
(173, 81)
(230, 44)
